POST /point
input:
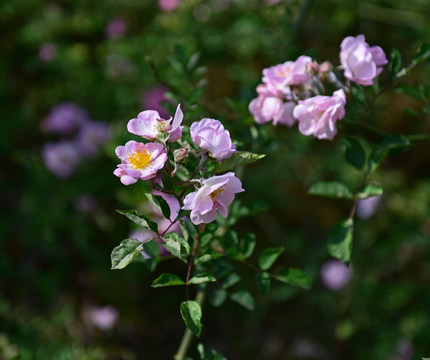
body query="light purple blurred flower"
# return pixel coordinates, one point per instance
(105, 317)
(61, 158)
(404, 350)
(318, 115)
(335, 274)
(85, 203)
(91, 136)
(64, 118)
(139, 161)
(149, 125)
(154, 98)
(362, 63)
(47, 52)
(215, 194)
(367, 207)
(168, 5)
(116, 28)
(210, 135)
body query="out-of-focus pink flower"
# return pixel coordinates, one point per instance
(105, 317)
(318, 115)
(154, 98)
(85, 203)
(269, 106)
(367, 207)
(139, 161)
(404, 350)
(168, 5)
(91, 136)
(149, 124)
(362, 63)
(289, 73)
(210, 135)
(335, 274)
(64, 118)
(47, 52)
(61, 158)
(116, 28)
(215, 194)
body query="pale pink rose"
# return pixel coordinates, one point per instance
(335, 274)
(210, 135)
(269, 106)
(362, 63)
(139, 161)
(215, 194)
(318, 115)
(149, 124)
(289, 73)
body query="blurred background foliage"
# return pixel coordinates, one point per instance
(57, 234)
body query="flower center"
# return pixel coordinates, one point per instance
(213, 194)
(140, 159)
(161, 125)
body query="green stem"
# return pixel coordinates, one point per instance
(188, 335)
(418, 137)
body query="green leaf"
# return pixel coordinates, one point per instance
(243, 298)
(411, 91)
(355, 153)
(268, 257)
(390, 145)
(161, 204)
(238, 158)
(396, 62)
(202, 278)
(247, 246)
(208, 255)
(412, 112)
(423, 53)
(217, 297)
(152, 250)
(192, 314)
(340, 240)
(331, 189)
(123, 254)
(295, 277)
(176, 245)
(230, 280)
(370, 190)
(138, 219)
(167, 280)
(263, 282)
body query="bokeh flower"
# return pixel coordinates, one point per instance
(362, 63)
(139, 161)
(116, 28)
(91, 136)
(318, 115)
(335, 274)
(64, 118)
(367, 207)
(210, 135)
(215, 194)
(61, 158)
(104, 317)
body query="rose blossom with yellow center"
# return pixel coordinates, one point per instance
(140, 159)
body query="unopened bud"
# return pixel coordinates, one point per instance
(180, 154)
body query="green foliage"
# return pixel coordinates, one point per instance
(370, 190)
(123, 254)
(192, 314)
(167, 280)
(268, 257)
(138, 219)
(340, 240)
(390, 145)
(239, 158)
(355, 153)
(243, 298)
(295, 277)
(331, 189)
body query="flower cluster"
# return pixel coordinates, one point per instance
(81, 138)
(295, 92)
(166, 150)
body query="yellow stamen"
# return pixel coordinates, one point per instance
(161, 125)
(140, 159)
(213, 194)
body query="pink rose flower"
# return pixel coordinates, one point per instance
(210, 135)
(149, 124)
(269, 106)
(215, 194)
(289, 73)
(361, 62)
(139, 161)
(318, 115)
